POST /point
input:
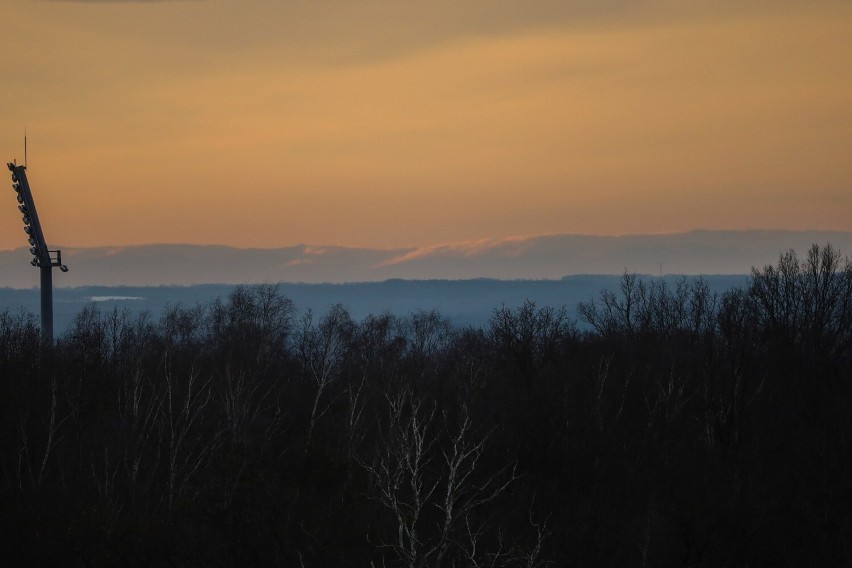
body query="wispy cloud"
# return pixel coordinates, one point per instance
(511, 246)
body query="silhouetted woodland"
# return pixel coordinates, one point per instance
(668, 426)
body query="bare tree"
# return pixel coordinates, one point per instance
(808, 300)
(532, 336)
(613, 313)
(140, 405)
(189, 445)
(427, 333)
(321, 349)
(430, 490)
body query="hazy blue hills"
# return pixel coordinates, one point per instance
(543, 257)
(465, 302)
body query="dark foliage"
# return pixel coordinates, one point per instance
(684, 429)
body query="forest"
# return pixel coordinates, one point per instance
(667, 425)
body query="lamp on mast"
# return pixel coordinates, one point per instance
(43, 258)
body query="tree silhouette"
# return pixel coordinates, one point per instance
(676, 427)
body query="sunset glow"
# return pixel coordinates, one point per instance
(271, 123)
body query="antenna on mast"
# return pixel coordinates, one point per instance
(25, 147)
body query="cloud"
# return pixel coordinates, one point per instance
(508, 247)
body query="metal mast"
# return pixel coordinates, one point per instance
(42, 257)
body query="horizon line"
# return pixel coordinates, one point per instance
(472, 241)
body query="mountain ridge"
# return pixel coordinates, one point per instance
(552, 256)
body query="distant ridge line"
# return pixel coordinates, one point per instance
(700, 251)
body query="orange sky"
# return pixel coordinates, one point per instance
(266, 123)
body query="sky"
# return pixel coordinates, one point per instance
(268, 123)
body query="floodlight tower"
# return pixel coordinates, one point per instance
(42, 257)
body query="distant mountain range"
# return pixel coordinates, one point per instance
(542, 257)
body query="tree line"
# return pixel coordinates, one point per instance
(669, 426)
